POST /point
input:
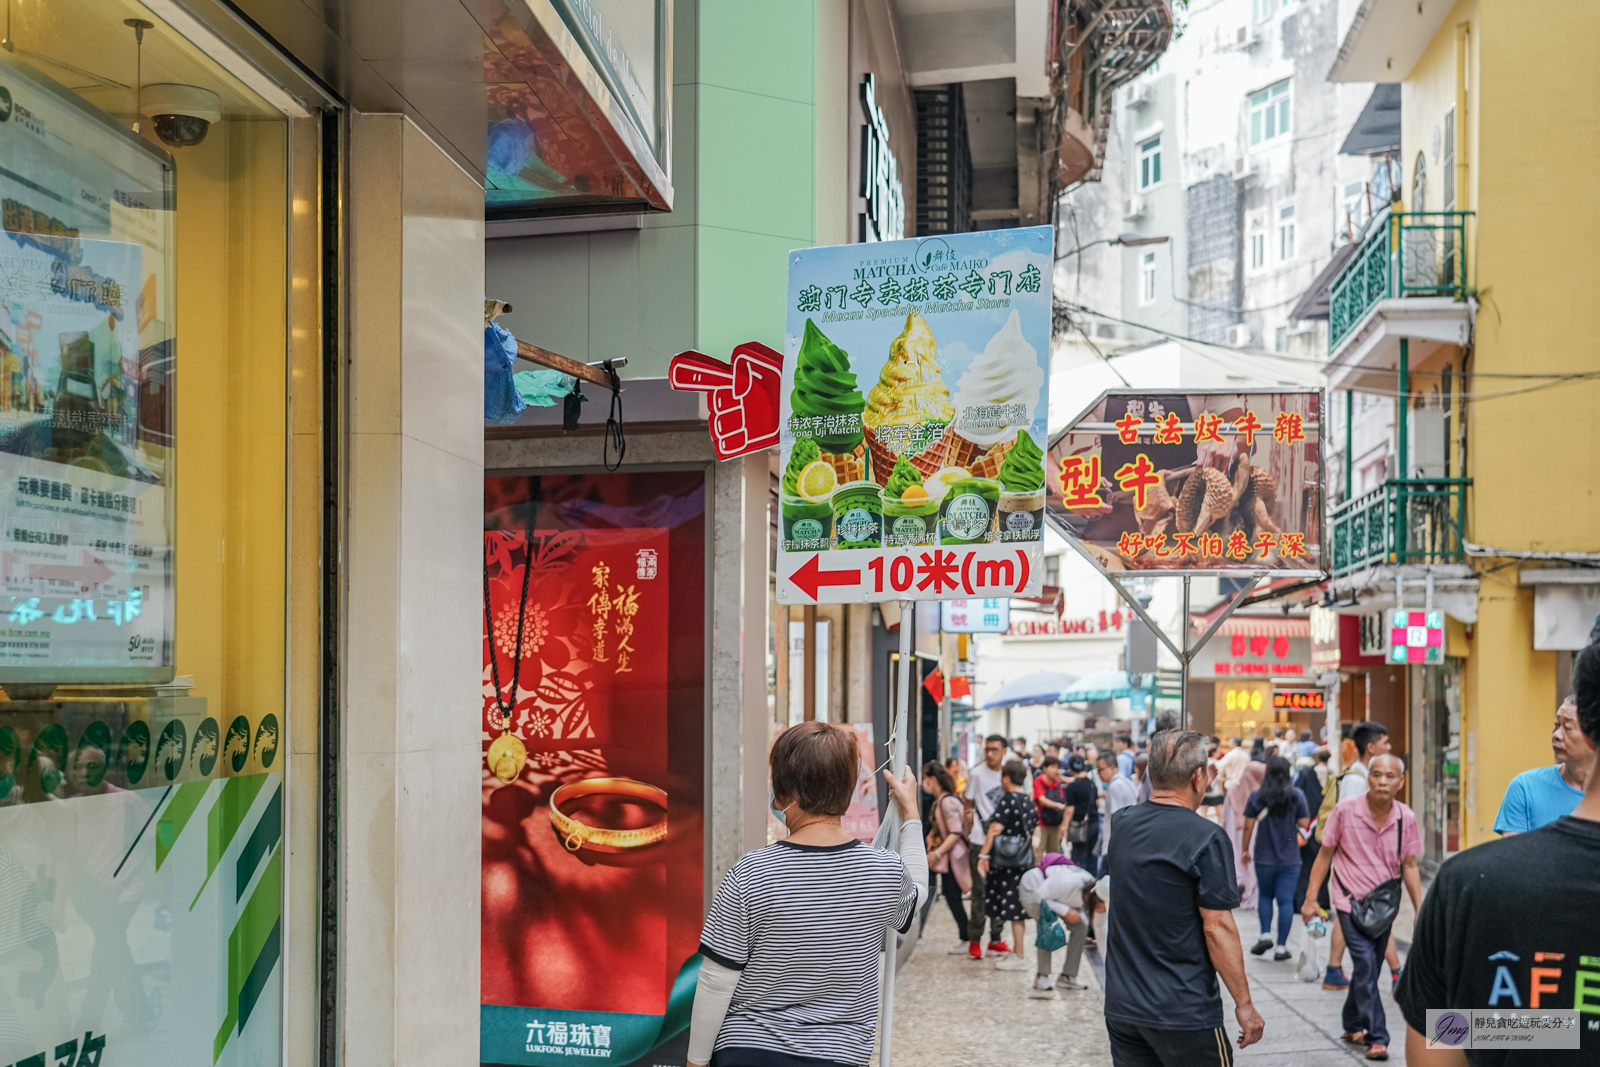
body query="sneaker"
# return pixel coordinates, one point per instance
(1335, 979)
(1070, 981)
(975, 950)
(1260, 947)
(1043, 983)
(1280, 955)
(1012, 963)
(960, 948)
(998, 948)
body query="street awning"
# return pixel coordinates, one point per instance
(1258, 626)
(1100, 685)
(1040, 687)
(1377, 128)
(1313, 303)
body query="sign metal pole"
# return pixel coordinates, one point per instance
(1183, 682)
(889, 829)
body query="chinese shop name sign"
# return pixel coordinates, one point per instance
(912, 419)
(1205, 482)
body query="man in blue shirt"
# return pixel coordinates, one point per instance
(1123, 743)
(1541, 796)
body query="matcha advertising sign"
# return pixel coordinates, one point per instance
(913, 419)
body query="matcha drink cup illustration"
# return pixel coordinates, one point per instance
(807, 516)
(1022, 491)
(967, 512)
(858, 515)
(910, 514)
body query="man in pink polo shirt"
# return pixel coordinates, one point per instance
(1369, 839)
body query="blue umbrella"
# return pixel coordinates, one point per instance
(1101, 685)
(1040, 687)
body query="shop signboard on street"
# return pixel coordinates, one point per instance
(989, 616)
(1193, 482)
(912, 427)
(86, 429)
(592, 729)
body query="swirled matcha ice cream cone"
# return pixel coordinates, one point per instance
(909, 407)
(1022, 491)
(825, 404)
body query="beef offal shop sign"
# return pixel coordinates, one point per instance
(913, 419)
(1202, 482)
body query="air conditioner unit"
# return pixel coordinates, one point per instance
(1246, 37)
(1139, 95)
(1133, 207)
(1239, 335)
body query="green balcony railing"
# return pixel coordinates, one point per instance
(1406, 253)
(1404, 520)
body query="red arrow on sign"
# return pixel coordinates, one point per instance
(810, 577)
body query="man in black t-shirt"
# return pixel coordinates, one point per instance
(1514, 924)
(1170, 929)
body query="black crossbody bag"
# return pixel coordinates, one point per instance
(1375, 913)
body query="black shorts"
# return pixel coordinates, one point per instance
(1143, 1046)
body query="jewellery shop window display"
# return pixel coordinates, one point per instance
(144, 331)
(593, 734)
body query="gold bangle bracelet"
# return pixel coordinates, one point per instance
(575, 835)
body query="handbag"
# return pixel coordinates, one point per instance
(1049, 934)
(1375, 913)
(1011, 852)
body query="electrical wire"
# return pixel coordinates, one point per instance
(1544, 381)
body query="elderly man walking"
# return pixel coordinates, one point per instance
(1371, 842)
(1171, 929)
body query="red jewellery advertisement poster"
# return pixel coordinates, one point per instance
(592, 853)
(1196, 482)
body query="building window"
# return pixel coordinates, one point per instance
(1258, 242)
(1280, 339)
(1286, 233)
(1269, 114)
(1352, 210)
(1052, 570)
(1447, 175)
(1147, 278)
(1150, 163)
(1262, 10)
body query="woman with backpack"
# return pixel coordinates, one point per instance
(1008, 852)
(947, 846)
(1275, 814)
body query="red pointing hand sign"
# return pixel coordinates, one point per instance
(743, 396)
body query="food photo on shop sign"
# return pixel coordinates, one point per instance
(1193, 482)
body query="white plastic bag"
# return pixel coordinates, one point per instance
(1309, 969)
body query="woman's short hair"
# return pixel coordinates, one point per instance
(1015, 771)
(814, 766)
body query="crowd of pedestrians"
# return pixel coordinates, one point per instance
(1154, 845)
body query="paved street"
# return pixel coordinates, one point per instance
(955, 1012)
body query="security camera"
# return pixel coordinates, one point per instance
(182, 113)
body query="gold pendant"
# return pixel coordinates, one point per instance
(506, 757)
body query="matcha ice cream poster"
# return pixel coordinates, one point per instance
(913, 418)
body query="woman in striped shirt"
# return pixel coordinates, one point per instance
(792, 943)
